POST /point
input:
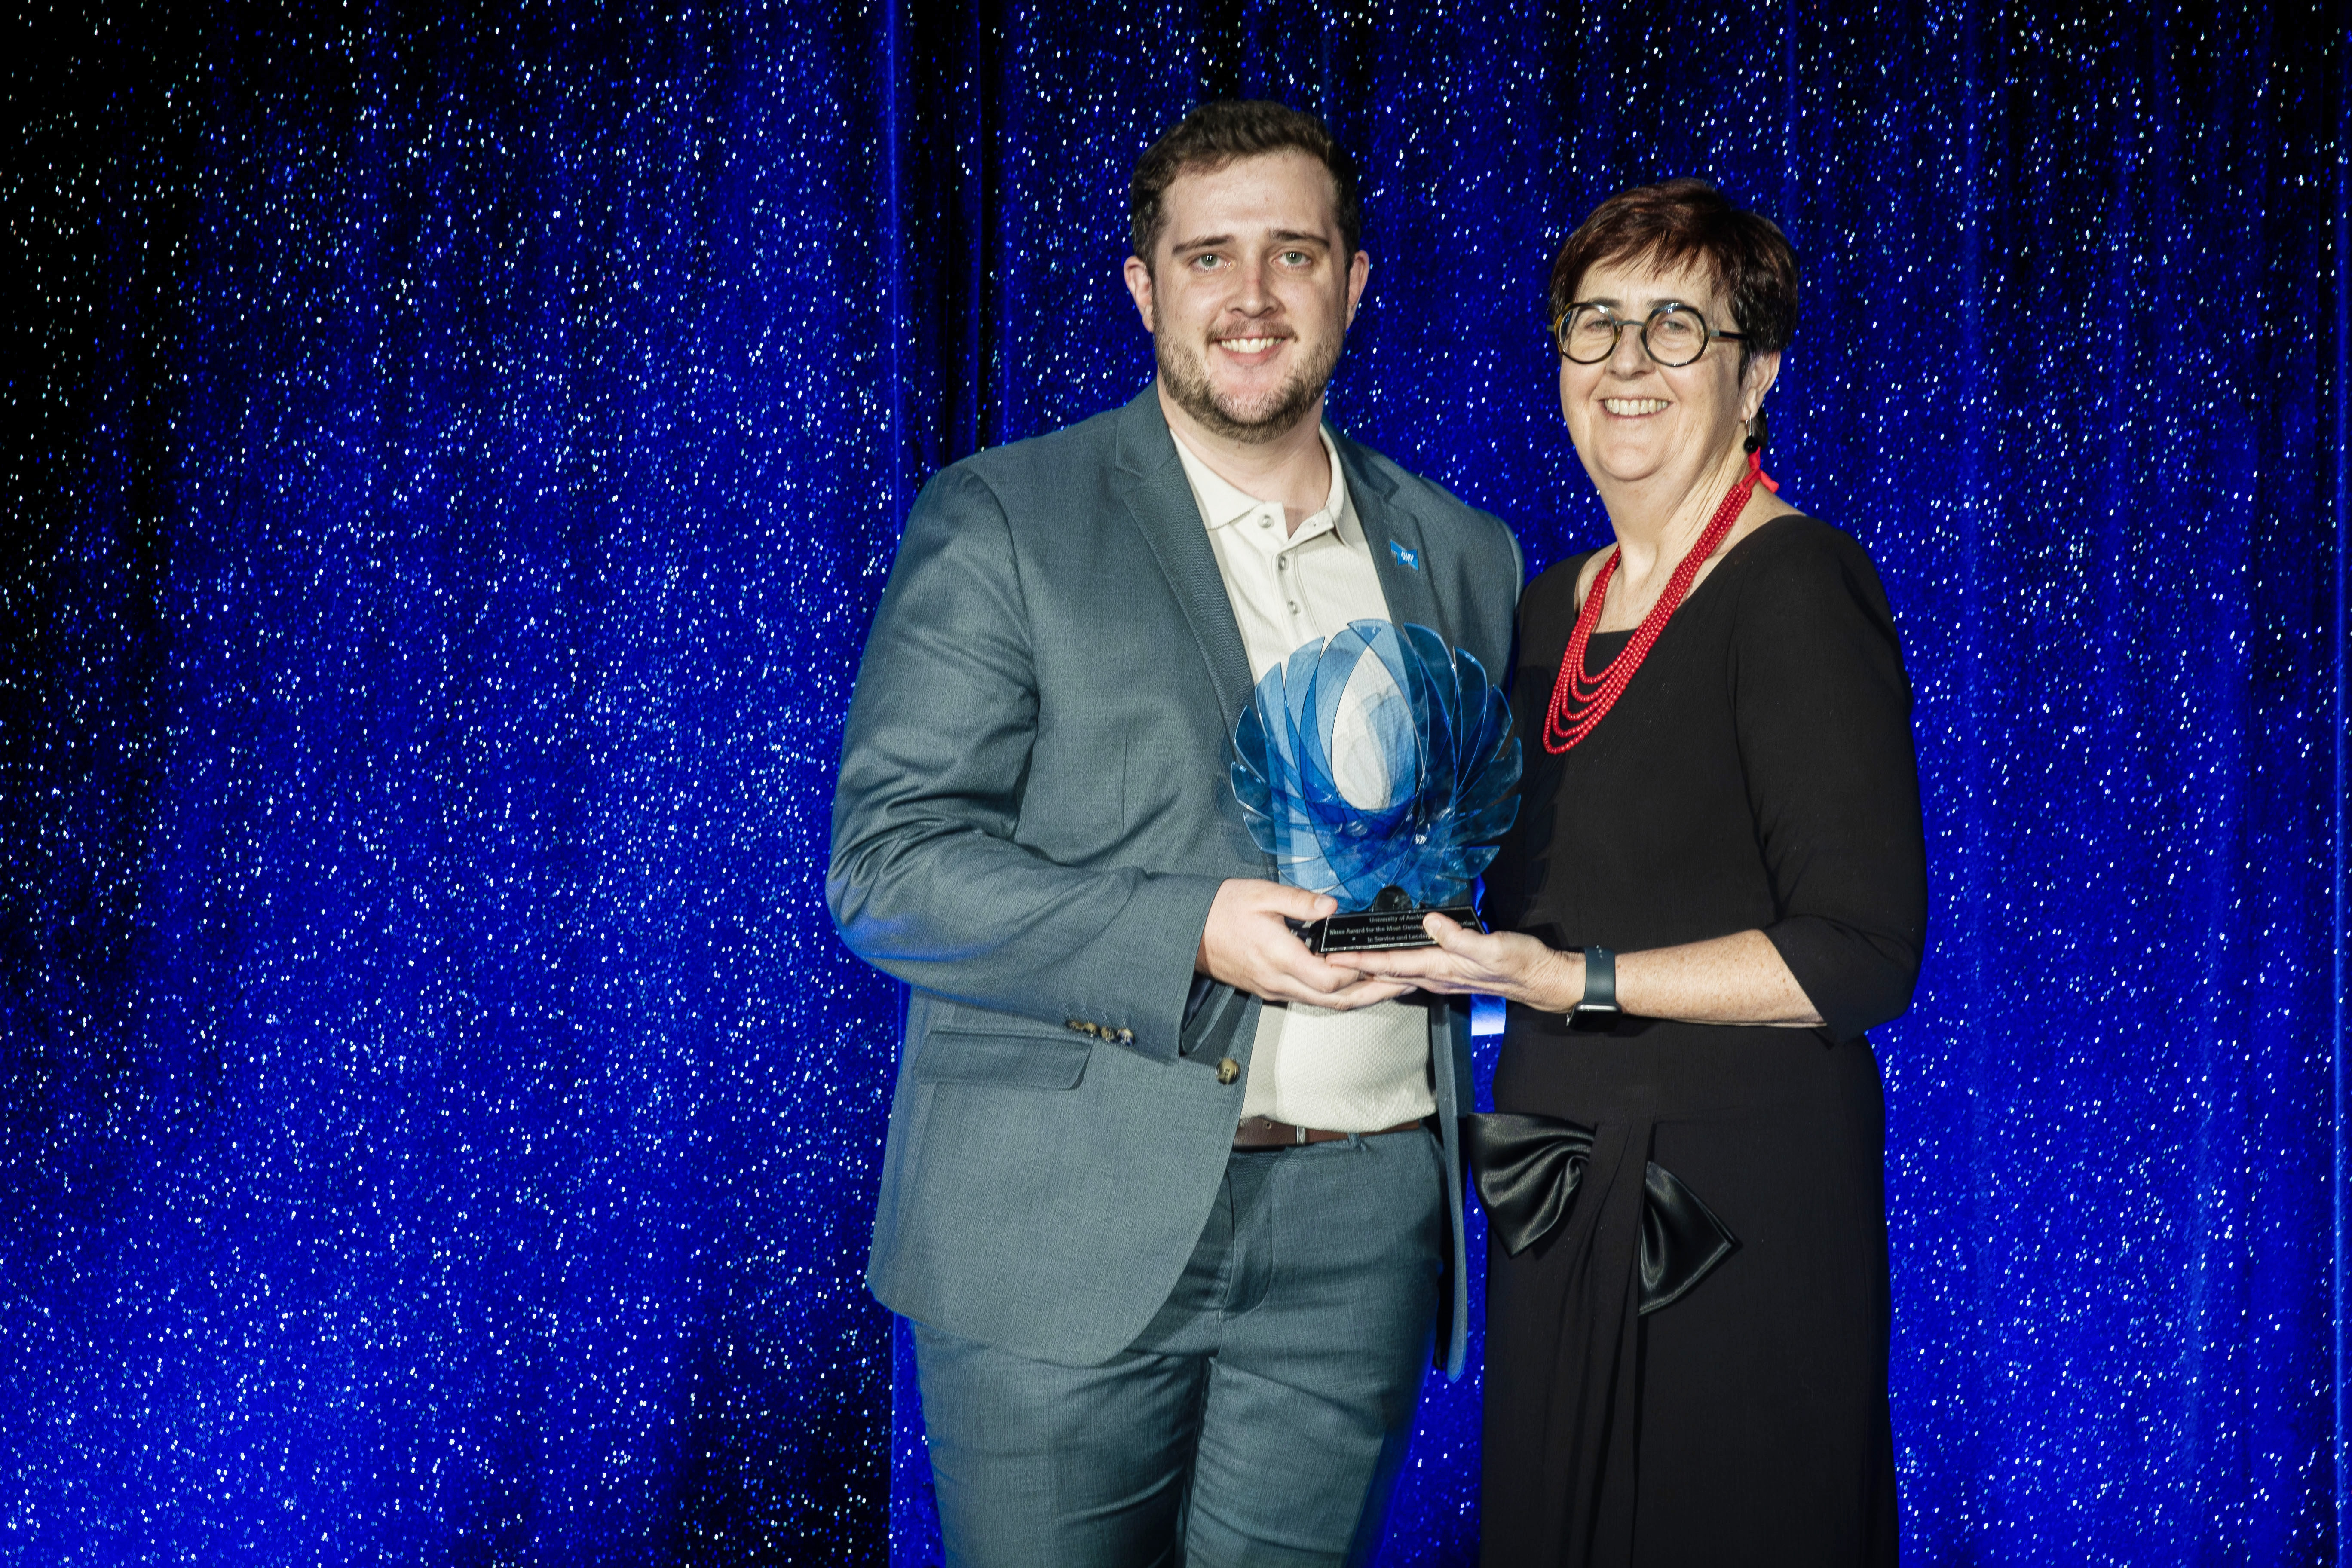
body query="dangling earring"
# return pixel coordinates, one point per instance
(1758, 432)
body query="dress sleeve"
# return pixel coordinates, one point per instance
(1823, 711)
(1546, 610)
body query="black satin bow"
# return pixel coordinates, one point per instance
(1529, 1168)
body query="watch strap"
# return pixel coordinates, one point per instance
(1599, 1001)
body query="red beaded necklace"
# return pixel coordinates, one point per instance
(1578, 703)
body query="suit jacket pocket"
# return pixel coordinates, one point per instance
(1019, 1061)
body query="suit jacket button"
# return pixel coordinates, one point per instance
(1228, 1069)
(1079, 1024)
(1127, 1036)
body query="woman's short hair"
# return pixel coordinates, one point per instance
(1216, 134)
(1677, 222)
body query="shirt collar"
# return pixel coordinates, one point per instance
(1222, 505)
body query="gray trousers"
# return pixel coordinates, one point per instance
(1259, 1419)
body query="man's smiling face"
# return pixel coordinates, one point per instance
(1249, 293)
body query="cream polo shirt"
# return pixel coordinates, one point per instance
(1347, 1072)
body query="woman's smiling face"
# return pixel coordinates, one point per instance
(1634, 419)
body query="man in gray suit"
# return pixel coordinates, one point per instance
(1170, 1202)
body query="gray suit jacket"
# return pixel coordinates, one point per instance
(1031, 820)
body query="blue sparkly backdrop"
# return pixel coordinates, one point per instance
(451, 462)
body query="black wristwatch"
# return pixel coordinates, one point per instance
(1599, 1008)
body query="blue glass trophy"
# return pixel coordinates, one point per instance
(1377, 767)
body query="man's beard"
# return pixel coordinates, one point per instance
(1187, 381)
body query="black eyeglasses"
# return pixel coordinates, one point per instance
(1673, 334)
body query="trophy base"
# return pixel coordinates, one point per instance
(1379, 930)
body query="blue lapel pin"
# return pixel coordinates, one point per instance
(1410, 557)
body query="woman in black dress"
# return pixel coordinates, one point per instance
(1714, 886)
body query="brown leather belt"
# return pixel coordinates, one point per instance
(1265, 1132)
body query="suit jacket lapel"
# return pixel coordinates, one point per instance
(1161, 498)
(1389, 527)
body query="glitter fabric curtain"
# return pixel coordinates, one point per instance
(441, 1126)
(451, 465)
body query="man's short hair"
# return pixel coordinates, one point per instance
(1216, 134)
(1680, 221)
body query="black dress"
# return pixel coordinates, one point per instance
(1757, 774)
